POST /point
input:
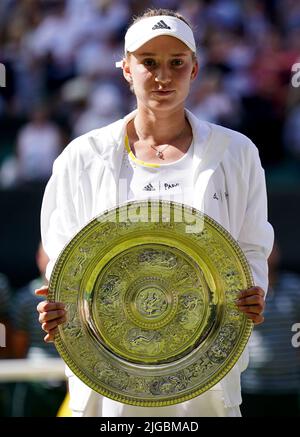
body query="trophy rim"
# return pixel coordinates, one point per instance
(78, 370)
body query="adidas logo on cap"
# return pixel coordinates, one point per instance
(161, 25)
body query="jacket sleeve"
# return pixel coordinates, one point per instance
(256, 236)
(58, 214)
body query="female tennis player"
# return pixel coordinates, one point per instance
(160, 150)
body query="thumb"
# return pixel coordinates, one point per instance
(43, 291)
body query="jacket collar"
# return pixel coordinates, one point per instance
(208, 149)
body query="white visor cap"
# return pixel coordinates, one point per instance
(148, 28)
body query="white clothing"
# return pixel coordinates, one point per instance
(38, 145)
(141, 181)
(209, 404)
(229, 186)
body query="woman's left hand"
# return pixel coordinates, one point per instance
(252, 303)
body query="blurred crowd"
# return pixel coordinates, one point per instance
(23, 338)
(61, 79)
(61, 82)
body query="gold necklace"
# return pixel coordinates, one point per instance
(159, 153)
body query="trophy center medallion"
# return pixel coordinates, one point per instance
(151, 302)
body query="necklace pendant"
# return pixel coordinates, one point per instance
(159, 154)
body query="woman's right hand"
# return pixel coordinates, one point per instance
(51, 314)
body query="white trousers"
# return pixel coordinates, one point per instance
(209, 404)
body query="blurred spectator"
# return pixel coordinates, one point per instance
(28, 337)
(33, 399)
(104, 107)
(271, 383)
(212, 104)
(38, 144)
(256, 20)
(52, 43)
(264, 108)
(96, 58)
(225, 13)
